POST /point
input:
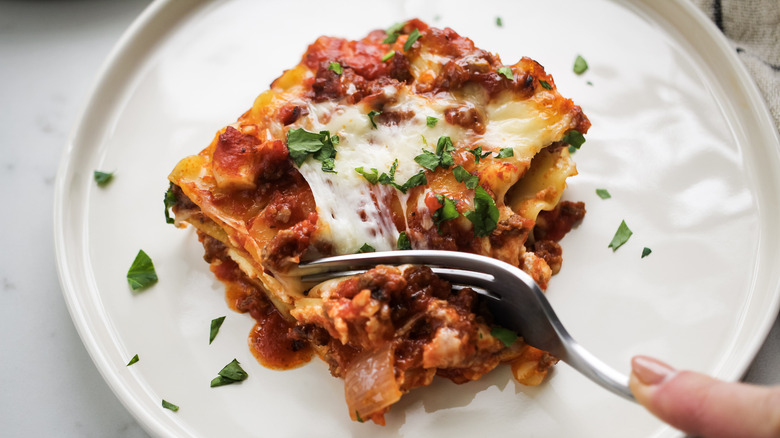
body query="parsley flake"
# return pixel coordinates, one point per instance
(484, 217)
(506, 72)
(414, 36)
(505, 153)
(357, 415)
(574, 138)
(133, 360)
(463, 175)
(366, 248)
(169, 405)
(478, 154)
(216, 323)
(231, 373)
(141, 273)
(386, 57)
(506, 336)
(403, 241)
(335, 67)
(572, 149)
(546, 85)
(646, 252)
(169, 201)
(441, 158)
(448, 211)
(371, 177)
(603, 193)
(499, 22)
(371, 115)
(393, 32)
(388, 179)
(431, 121)
(580, 65)
(621, 236)
(321, 146)
(103, 178)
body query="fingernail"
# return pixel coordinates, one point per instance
(650, 371)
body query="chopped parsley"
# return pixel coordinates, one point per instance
(415, 180)
(231, 373)
(357, 415)
(366, 248)
(572, 149)
(414, 36)
(603, 193)
(506, 336)
(448, 211)
(478, 154)
(403, 241)
(133, 360)
(141, 273)
(431, 121)
(169, 405)
(485, 213)
(646, 252)
(506, 72)
(393, 32)
(386, 57)
(216, 323)
(499, 22)
(169, 201)
(441, 158)
(546, 85)
(336, 67)
(371, 115)
(580, 65)
(506, 152)
(372, 177)
(463, 175)
(574, 138)
(621, 236)
(103, 178)
(321, 146)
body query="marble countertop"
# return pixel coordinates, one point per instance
(50, 53)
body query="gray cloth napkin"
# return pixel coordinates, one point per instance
(753, 28)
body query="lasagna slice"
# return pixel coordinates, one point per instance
(408, 138)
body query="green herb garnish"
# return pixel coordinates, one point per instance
(463, 175)
(133, 360)
(371, 115)
(506, 336)
(431, 121)
(321, 146)
(485, 213)
(103, 178)
(448, 211)
(414, 36)
(499, 22)
(216, 323)
(572, 149)
(603, 193)
(169, 405)
(506, 72)
(574, 138)
(478, 154)
(621, 236)
(386, 57)
(371, 177)
(403, 241)
(169, 201)
(545, 84)
(357, 414)
(231, 373)
(580, 65)
(646, 252)
(336, 67)
(388, 179)
(442, 158)
(366, 248)
(506, 152)
(141, 273)
(393, 32)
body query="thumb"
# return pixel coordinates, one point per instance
(703, 406)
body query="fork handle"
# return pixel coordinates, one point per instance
(593, 368)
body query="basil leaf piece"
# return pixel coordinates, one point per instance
(371, 115)
(386, 57)
(415, 180)
(169, 201)
(403, 241)
(216, 323)
(321, 146)
(357, 414)
(428, 160)
(371, 177)
(506, 336)
(572, 149)
(484, 217)
(431, 121)
(545, 84)
(448, 211)
(233, 371)
(414, 36)
(574, 138)
(646, 252)
(478, 154)
(221, 381)
(393, 32)
(336, 67)
(603, 193)
(499, 22)
(366, 248)
(103, 178)
(141, 273)
(621, 236)
(580, 65)
(506, 72)
(463, 175)
(506, 152)
(169, 405)
(133, 360)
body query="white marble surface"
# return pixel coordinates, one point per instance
(50, 53)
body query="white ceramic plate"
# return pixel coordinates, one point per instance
(680, 138)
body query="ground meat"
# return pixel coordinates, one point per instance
(551, 252)
(553, 225)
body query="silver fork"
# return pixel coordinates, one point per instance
(513, 297)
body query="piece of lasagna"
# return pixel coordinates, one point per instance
(409, 138)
